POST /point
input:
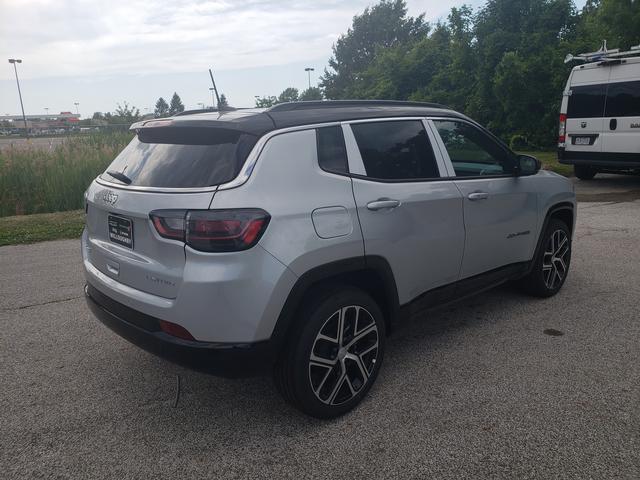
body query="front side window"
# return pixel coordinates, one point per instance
(395, 150)
(471, 151)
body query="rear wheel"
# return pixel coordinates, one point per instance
(551, 266)
(333, 357)
(584, 172)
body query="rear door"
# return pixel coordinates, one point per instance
(408, 214)
(622, 111)
(585, 109)
(161, 169)
(500, 209)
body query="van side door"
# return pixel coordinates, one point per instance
(621, 129)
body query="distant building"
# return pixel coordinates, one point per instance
(62, 120)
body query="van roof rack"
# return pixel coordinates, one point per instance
(304, 105)
(603, 54)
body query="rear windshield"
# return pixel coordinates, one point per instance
(182, 157)
(586, 101)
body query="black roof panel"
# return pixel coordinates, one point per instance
(260, 121)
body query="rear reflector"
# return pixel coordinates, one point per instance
(175, 330)
(212, 230)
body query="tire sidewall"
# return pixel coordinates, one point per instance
(314, 317)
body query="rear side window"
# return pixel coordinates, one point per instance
(586, 101)
(395, 150)
(332, 154)
(623, 99)
(182, 157)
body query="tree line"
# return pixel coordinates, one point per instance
(502, 64)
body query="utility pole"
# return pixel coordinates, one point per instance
(214, 88)
(24, 118)
(309, 70)
(213, 99)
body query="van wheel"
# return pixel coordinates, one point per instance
(584, 172)
(551, 266)
(334, 354)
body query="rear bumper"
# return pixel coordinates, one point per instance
(621, 161)
(222, 359)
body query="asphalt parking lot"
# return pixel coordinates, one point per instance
(474, 390)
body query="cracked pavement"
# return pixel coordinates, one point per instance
(473, 390)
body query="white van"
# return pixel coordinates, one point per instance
(600, 114)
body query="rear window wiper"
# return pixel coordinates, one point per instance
(119, 176)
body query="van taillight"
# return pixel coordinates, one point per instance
(562, 129)
(212, 230)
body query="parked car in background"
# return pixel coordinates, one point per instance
(600, 114)
(291, 240)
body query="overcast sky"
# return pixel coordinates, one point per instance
(100, 53)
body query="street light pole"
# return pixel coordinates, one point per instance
(77, 109)
(309, 70)
(213, 98)
(24, 118)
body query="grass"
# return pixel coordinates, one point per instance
(40, 227)
(34, 180)
(550, 162)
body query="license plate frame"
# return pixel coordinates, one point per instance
(582, 141)
(120, 230)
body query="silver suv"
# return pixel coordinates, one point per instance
(291, 240)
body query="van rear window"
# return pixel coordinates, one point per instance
(182, 157)
(623, 99)
(586, 101)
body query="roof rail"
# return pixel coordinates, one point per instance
(603, 54)
(304, 105)
(204, 110)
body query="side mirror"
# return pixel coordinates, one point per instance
(527, 165)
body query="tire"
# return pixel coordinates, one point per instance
(340, 373)
(584, 172)
(551, 265)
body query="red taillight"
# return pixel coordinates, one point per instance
(169, 223)
(225, 230)
(562, 128)
(175, 330)
(212, 230)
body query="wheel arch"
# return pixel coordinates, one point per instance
(564, 211)
(371, 273)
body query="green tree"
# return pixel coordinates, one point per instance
(176, 105)
(313, 93)
(223, 103)
(266, 102)
(124, 113)
(289, 94)
(384, 25)
(162, 108)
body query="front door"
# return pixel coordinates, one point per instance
(500, 209)
(408, 214)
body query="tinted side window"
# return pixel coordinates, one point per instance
(395, 150)
(586, 101)
(623, 100)
(473, 153)
(332, 154)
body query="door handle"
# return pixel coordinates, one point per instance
(613, 124)
(383, 203)
(478, 196)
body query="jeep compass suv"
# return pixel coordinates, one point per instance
(290, 240)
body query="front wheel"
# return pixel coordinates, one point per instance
(334, 354)
(551, 266)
